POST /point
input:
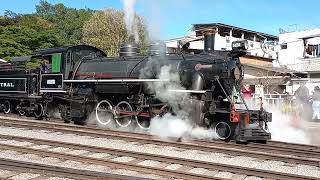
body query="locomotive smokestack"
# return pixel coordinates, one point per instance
(209, 40)
(129, 50)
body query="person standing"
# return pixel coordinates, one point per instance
(302, 94)
(316, 103)
(247, 94)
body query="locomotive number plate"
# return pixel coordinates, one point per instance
(51, 82)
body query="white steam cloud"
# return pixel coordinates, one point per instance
(178, 124)
(162, 88)
(285, 126)
(130, 18)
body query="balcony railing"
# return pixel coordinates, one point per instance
(310, 64)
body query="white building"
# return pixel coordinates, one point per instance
(300, 51)
(260, 44)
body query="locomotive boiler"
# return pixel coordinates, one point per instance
(83, 81)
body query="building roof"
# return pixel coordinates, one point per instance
(310, 36)
(200, 27)
(281, 70)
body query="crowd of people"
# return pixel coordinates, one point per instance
(305, 100)
(302, 102)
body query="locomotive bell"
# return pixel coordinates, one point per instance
(129, 50)
(157, 48)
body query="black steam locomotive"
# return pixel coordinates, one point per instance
(81, 80)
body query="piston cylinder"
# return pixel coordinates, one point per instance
(197, 82)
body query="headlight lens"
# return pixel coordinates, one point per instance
(236, 73)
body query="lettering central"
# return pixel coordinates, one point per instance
(10, 85)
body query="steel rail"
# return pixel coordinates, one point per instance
(138, 155)
(109, 163)
(260, 152)
(270, 143)
(56, 171)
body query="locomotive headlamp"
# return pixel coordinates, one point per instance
(240, 45)
(236, 73)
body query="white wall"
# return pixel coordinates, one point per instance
(221, 43)
(254, 47)
(291, 57)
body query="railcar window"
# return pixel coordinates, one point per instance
(56, 62)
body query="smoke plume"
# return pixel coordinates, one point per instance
(178, 123)
(287, 127)
(287, 123)
(130, 18)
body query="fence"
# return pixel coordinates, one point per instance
(273, 99)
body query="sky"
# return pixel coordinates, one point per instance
(173, 18)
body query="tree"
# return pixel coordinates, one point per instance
(106, 30)
(29, 33)
(9, 18)
(67, 22)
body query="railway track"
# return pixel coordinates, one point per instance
(289, 153)
(46, 171)
(138, 157)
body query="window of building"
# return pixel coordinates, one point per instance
(249, 36)
(284, 46)
(236, 34)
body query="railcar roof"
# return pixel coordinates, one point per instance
(174, 56)
(21, 58)
(64, 49)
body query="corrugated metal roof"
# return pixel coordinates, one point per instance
(207, 25)
(281, 70)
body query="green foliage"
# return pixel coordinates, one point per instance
(107, 31)
(34, 64)
(54, 25)
(26, 35)
(10, 48)
(67, 22)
